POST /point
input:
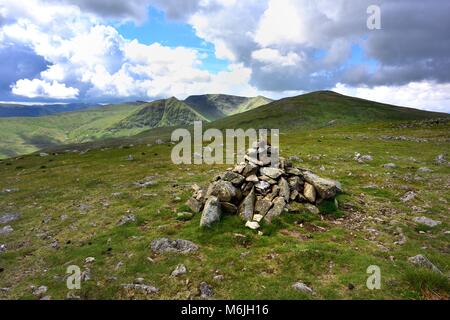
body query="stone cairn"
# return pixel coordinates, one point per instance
(259, 192)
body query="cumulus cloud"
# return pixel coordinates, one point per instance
(40, 88)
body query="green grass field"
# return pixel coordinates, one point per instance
(77, 199)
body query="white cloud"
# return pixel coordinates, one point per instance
(40, 88)
(422, 95)
(275, 58)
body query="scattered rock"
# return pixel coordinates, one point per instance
(130, 158)
(39, 291)
(194, 204)
(389, 166)
(9, 217)
(43, 154)
(6, 230)
(423, 262)
(252, 225)
(300, 286)
(363, 158)
(427, 221)
(163, 245)
(3, 248)
(185, 216)
(206, 291)
(211, 213)
(146, 289)
(89, 260)
(424, 170)
(410, 195)
(179, 270)
(440, 159)
(126, 219)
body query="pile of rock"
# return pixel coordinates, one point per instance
(258, 191)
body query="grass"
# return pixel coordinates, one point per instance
(77, 199)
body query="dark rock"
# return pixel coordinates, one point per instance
(277, 209)
(228, 208)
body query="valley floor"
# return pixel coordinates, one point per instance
(70, 205)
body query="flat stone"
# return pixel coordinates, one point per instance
(427, 221)
(424, 170)
(126, 219)
(258, 217)
(163, 245)
(310, 192)
(252, 178)
(233, 177)
(206, 291)
(249, 169)
(9, 217)
(270, 172)
(146, 289)
(268, 179)
(262, 185)
(211, 213)
(410, 195)
(389, 166)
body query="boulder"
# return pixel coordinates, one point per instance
(211, 213)
(423, 262)
(326, 188)
(247, 206)
(223, 190)
(194, 205)
(228, 208)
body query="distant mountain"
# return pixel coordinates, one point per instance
(321, 109)
(19, 110)
(217, 106)
(161, 113)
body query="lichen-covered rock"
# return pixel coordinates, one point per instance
(277, 209)
(262, 206)
(223, 190)
(310, 192)
(164, 245)
(270, 172)
(211, 213)
(233, 177)
(247, 206)
(326, 188)
(284, 189)
(423, 262)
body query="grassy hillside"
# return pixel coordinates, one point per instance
(70, 206)
(161, 113)
(18, 110)
(217, 106)
(321, 109)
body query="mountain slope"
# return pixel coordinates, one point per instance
(161, 113)
(217, 106)
(321, 109)
(19, 110)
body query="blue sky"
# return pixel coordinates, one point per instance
(109, 51)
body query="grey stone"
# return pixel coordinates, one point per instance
(163, 245)
(300, 286)
(410, 195)
(179, 270)
(143, 288)
(427, 221)
(326, 188)
(211, 213)
(423, 262)
(3, 248)
(9, 217)
(262, 206)
(249, 169)
(184, 216)
(206, 291)
(270, 172)
(284, 189)
(254, 225)
(440, 159)
(252, 178)
(6, 229)
(295, 183)
(262, 185)
(268, 180)
(389, 166)
(277, 209)
(194, 205)
(39, 291)
(247, 207)
(228, 208)
(223, 190)
(126, 219)
(424, 170)
(233, 177)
